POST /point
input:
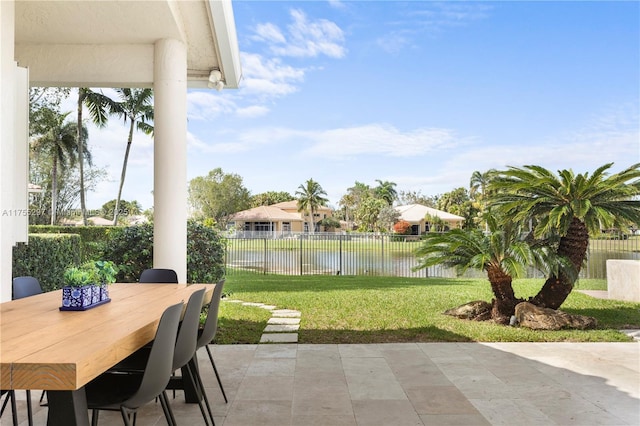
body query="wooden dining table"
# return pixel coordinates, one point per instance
(44, 348)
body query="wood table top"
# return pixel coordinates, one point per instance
(42, 347)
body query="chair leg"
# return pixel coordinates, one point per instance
(194, 382)
(11, 396)
(42, 398)
(215, 370)
(171, 420)
(29, 409)
(94, 417)
(125, 416)
(198, 379)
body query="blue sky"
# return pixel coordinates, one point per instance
(418, 93)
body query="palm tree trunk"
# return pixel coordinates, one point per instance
(54, 190)
(504, 304)
(123, 174)
(573, 246)
(83, 206)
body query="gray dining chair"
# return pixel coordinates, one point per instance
(128, 392)
(207, 334)
(26, 286)
(159, 275)
(186, 346)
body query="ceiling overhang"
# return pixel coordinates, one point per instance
(95, 43)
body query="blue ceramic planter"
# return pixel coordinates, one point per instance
(83, 298)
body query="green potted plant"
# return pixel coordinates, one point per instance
(107, 272)
(86, 285)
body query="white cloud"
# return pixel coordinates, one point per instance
(304, 37)
(379, 139)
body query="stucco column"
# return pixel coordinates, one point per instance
(7, 81)
(170, 157)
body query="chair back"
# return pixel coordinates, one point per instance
(159, 275)
(211, 323)
(159, 365)
(25, 287)
(188, 333)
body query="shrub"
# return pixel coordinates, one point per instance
(46, 257)
(402, 227)
(131, 249)
(205, 254)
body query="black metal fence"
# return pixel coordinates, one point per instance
(379, 254)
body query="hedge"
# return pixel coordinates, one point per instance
(45, 257)
(92, 238)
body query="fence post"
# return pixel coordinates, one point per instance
(264, 268)
(340, 255)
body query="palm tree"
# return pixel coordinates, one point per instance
(570, 206)
(503, 254)
(387, 191)
(136, 107)
(310, 197)
(478, 185)
(58, 143)
(99, 107)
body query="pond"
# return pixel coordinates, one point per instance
(374, 262)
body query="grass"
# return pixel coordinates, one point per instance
(364, 309)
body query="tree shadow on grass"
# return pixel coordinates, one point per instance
(404, 335)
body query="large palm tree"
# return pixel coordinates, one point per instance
(310, 197)
(387, 191)
(136, 107)
(503, 253)
(59, 144)
(570, 206)
(99, 106)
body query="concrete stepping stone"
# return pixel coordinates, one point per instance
(279, 338)
(268, 307)
(252, 304)
(283, 321)
(286, 312)
(233, 301)
(278, 328)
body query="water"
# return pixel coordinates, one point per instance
(375, 262)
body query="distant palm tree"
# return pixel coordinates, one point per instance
(310, 197)
(478, 185)
(570, 206)
(99, 107)
(136, 107)
(387, 191)
(58, 143)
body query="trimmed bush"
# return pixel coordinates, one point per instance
(46, 257)
(92, 238)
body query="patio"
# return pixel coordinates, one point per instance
(411, 384)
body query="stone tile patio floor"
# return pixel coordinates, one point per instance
(410, 384)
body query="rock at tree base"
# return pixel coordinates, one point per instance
(536, 318)
(478, 310)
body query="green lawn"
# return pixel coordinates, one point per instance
(363, 309)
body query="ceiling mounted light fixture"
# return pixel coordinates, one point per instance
(215, 80)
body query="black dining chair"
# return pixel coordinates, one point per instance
(159, 275)
(22, 287)
(128, 392)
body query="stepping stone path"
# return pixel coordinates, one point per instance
(283, 325)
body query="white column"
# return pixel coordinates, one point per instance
(170, 157)
(7, 139)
